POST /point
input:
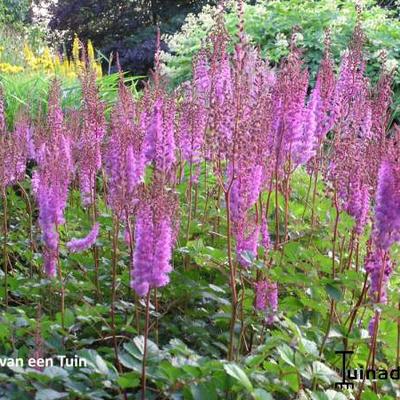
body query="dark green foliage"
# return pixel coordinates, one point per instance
(126, 27)
(189, 325)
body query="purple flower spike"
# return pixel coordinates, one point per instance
(78, 245)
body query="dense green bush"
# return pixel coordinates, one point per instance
(14, 11)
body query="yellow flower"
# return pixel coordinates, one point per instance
(30, 58)
(46, 60)
(76, 49)
(90, 51)
(10, 69)
(99, 71)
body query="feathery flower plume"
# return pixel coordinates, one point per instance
(51, 179)
(387, 210)
(159, 142)
(325, 92)
(289, 109)
(88, 147)
(78, 245)
(154, 239)
(124, 158)
(386, 230)
(319, 115)
(13, 155)
(381, 99)
(267, 299)
(352, 105)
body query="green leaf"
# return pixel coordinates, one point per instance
(130, 362)
(236, 372)
(369, 395)
(49, 394)
(323, 372)
(152, 349)
(95, 361)
(261, 394)
(69, 318)
(287, 354)
(128, 380)
(333, 292)
(203, 391)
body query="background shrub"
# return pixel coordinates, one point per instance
(269, 24)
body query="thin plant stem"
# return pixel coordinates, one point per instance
(307, 197)
(5, 249)
(355, 310)
(61, 278)
(29, 208)
(113, 289)
(146, 334)
(95, 250)
(372, 347)
(196, 200)
(276, 207)
(398, 338)
(232, 271)
(287, 189)
(332, 304)
(156, 311)
(314, 195)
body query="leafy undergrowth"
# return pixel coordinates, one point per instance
(189, 319)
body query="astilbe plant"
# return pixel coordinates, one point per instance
(250, 126)
(347, 165)
(292, 142)
(13, 157)
(154, 239)
(240, 86)
(124, 158)
(87, 150)
(154, 224)
(267, 299)
(51, 179)
(378, 263)
(193, 114)
(13, 149)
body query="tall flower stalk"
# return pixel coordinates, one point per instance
(50, 183)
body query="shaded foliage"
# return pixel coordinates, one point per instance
(124, 26)
(14, 11)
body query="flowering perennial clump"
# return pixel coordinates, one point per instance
(51, 179)
(233, 136)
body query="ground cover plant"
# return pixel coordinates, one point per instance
(220, 240)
